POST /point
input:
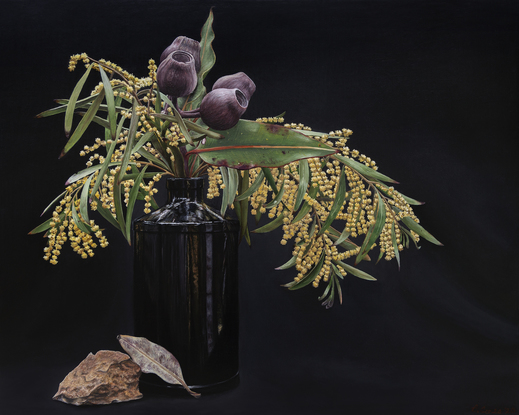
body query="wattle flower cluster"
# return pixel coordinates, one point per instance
(177, 76)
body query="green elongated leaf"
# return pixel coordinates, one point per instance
(131, 200)
(119, 206)
(375, 230)
(244, 206)
(152, 159)
(337, 272)
(182, 126)
(395, 244)
(98, 120)
(308, 278)
(63, 108)
(110, 102)
(354, 271)
(89, 170)
(83, 201)
(44, 226)
(257, 216)
(344, 235)
(338, 285)
(274, 202)
(178, 162)
(340, 194)
(106, 214)
(51, 204)
(158, 101)
(83, 124)
(327, 290)
(233, 184)
(306, 207)
(411, 224)
(255, 186)
(270, 179)
(225, 196)
(276, 223)
(130, 140)
(133, 176)
(105, 164)
(364, 170)
(71, 106)
(143, 140)
(189, 124)
(346, 244)
(409, 200)
(289, 264)
(304, 178)
(207, 61)
(79, 223)
(253, 144)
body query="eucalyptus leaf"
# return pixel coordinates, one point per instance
(207, 61)
(155, 359)
(252, 144)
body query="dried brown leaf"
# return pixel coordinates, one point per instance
(155, 359)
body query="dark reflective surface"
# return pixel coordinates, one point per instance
(186, 284)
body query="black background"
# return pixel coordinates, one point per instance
(429, 89)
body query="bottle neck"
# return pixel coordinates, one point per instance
(185, 188)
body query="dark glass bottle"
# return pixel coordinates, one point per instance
(186, 284)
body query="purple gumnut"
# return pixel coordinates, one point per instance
(187, 45)
(238, 80)
(222, 108)
(176, 75)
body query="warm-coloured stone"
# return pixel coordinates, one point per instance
(103, 378)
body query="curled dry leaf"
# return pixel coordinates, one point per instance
(153, 358)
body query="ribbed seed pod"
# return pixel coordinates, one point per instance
(185, 44)
(238, 80)
(222, 108)
(176, 75)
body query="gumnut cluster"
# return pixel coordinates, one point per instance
(177, 76)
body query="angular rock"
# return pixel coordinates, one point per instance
(100, 379)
